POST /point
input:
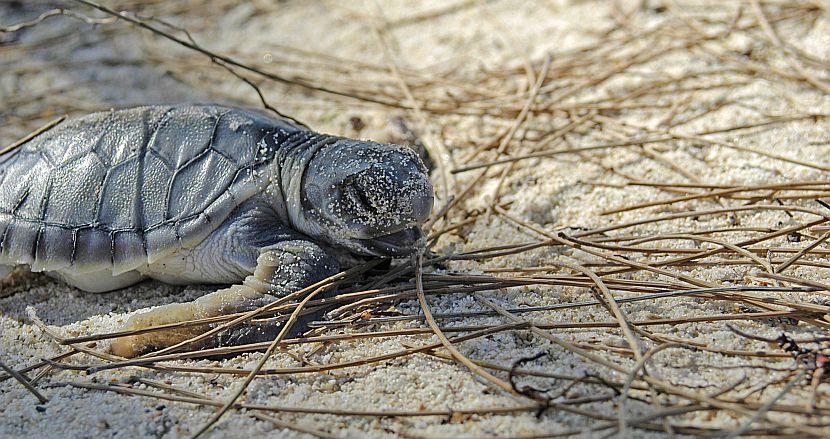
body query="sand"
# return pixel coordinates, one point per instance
(106, 66)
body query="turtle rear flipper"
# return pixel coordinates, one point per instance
(283, 268)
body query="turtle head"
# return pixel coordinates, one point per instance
(368, 197)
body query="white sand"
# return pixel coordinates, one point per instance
(552, 193)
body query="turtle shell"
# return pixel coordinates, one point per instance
(120, 189)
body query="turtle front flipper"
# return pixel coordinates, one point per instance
(281, 269)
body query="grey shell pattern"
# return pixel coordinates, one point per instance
(118, 190)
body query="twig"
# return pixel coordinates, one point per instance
(24, 382)
(232, 61)
(458, 356)
(325, 285)
(32, 135)
(761, 412)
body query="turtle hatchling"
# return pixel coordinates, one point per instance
(203, 194)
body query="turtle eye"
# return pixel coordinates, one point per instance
(361, 198)
(347, 182)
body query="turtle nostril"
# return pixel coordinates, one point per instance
(422, 207)
(419, 190)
